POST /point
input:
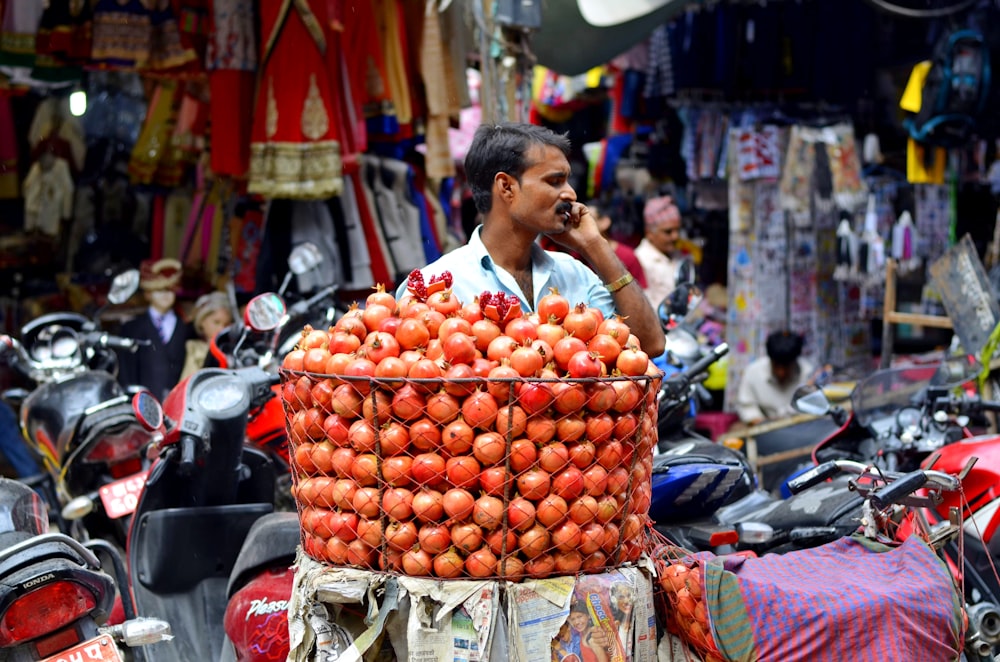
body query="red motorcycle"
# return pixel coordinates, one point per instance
(909, 418)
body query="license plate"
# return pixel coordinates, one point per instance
(121, 497)
(98, 649)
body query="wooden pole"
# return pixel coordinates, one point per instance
(888, 309)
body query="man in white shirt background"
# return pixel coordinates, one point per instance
(658, 252)
(768, 383)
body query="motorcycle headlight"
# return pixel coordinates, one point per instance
(220, 394)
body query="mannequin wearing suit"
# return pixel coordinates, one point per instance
(157, 366)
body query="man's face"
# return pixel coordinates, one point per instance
(664, 230)
(541, 200)
(161, 300)
(782, 372)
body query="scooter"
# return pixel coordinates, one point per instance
(79, 420)
(55, 597)
(204, 492)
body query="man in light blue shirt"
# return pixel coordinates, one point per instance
(519, 176)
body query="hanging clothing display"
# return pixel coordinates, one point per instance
(391, 33)
(64, 31)
(153, 143)
(17, 33)
(231, 61)
(138, 34)
(48, 195)
(367, 75)
(439, 86)
(294, 150)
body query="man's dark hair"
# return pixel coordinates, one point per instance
(502, 148)
(784, 347)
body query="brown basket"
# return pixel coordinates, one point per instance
(489, 478)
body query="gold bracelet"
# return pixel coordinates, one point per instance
(616, 285)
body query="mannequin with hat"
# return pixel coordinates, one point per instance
(156, 366)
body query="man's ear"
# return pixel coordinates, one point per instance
(504, 184)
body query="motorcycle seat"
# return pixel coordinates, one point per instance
(271, 540)
(824, 505)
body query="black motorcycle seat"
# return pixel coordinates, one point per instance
(826, 504)
(271, 540)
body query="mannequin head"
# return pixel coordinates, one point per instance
(161, 300)
(159, 281)
(212, 314)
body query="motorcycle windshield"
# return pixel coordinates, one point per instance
(887, 391)
(21, 509)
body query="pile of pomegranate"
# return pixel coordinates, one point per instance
(435, 437)
(687, 616)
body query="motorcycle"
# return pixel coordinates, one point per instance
(84, 426)
(55, 597)
(684, 348)
(919, 417)
(204, 492)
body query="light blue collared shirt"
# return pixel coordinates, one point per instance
(474, 272)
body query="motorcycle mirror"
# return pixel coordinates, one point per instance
(810, 399)
(147, 410)
(265, 312)
(123, 286)
(686, 273)
(683, 345)
(304, 257)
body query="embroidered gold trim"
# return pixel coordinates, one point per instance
(271, 118)
(286, 5)
(18, 42)
(312, 25)
(315, 122)
(301, 171)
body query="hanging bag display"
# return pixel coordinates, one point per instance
(954, 92)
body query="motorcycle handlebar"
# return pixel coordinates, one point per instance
(117, 342)
(826, 470)
(185, 465)
(898, 489)
(677, 383)
(302, 307)
(814, 476)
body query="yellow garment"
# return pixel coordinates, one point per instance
(389, 32)
(913, 94)
(920, 170)
(153, 140)
(716, 379)
(594, 76)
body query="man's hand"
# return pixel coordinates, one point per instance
(581, 230)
